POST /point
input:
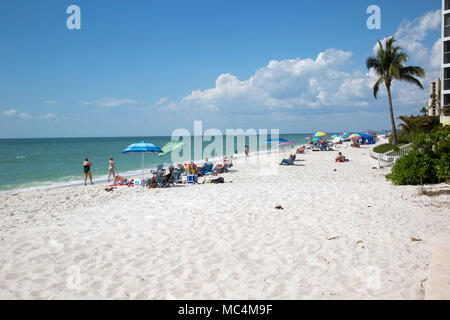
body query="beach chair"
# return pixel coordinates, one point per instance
(225, 168)
(208, 166)
(182, 170)
(158, 170)
(174, 177)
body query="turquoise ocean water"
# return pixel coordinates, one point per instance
(53, 162)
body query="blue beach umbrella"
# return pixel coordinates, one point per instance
(279, 140)
(142, 147)
(367, 137)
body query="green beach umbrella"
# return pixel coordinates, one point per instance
(170, 146)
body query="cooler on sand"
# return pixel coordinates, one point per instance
(191, 178)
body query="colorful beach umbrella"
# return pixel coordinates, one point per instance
(354, 135)
(142, 147)
(170, 146)
(286, 144)
(321, 134)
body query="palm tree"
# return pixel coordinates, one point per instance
(411, 125)
(389, 66)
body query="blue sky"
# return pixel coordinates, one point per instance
(149, 67)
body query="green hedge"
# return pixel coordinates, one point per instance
(427, 162)
(383, 148)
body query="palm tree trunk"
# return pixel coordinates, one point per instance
(391, 111)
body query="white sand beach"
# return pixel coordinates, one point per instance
(344, 234)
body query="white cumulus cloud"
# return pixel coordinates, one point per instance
(48, 116)
(289, 84)
(110, 102)
(299, 85)
(25, 116)
(10, 112)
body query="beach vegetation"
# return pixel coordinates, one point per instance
(446, 111)
(427, 162)
(388, 64)
(386, 147)
(414, 125)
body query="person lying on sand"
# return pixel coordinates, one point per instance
(340, 157)
(120, 179)
(289, 161)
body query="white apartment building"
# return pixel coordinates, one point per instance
(445, 75)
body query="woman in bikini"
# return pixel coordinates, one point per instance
(112, 168)
(87, 170)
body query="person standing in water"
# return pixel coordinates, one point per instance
(246, 150)
(87, 170)
(111, 169)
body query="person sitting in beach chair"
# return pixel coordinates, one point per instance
(221, 167)
(172, 177)
(167, 176)
(207, 166)
(324, 146)
(181, 169)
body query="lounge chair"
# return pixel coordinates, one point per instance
(208, 166)
(158, 170)
(174, 177)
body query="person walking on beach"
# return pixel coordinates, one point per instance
(111, 169)
(87, 170)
